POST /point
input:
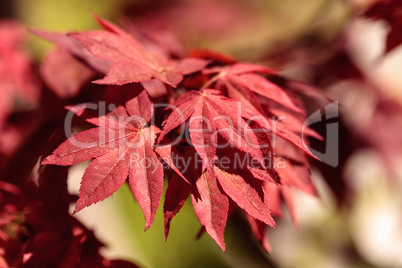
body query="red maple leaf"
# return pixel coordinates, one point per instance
(209, 114)
(211, 192)
(240, 76)
(243, 80)
(212, 118)
(133, 62)
(122, 146)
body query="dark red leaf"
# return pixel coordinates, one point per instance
(176, 195)
(259, 230)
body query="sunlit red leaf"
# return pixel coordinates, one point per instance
(122, 146)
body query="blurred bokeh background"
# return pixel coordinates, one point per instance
(357, 221)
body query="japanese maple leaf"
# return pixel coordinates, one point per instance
(210, 195)
(132, 62)
(242, 81)
(247, 75)
(211, 192)
(122, 146)
(210, 114)
(212, 205)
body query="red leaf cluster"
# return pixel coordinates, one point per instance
(207, 123)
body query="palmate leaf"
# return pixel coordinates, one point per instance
(211, 203)
(210, 114)
(211, 192)
(122, 147)
(132, 62)
(243, 82)
(210, 195)
(211, 118)
(247, 75)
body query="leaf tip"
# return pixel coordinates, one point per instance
(166, 234)
(167, 228)
(147, 225)
(99, 82)
(79, 206)
(94, 15)
(222, 246)
(47, 160)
